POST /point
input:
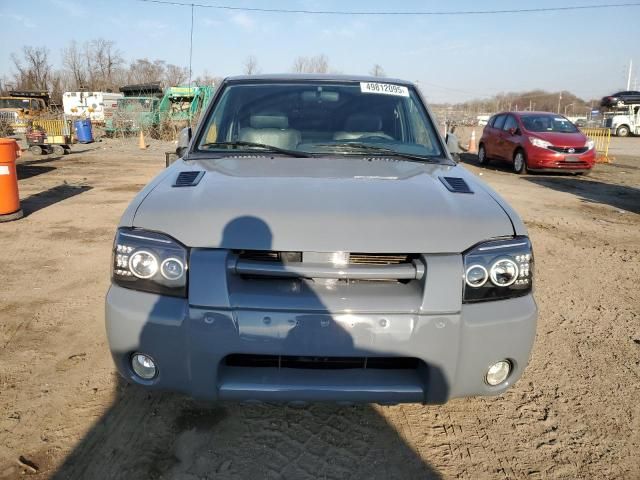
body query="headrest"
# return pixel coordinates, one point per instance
(269, 120)
(360, 122)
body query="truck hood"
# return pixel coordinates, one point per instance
(328, 204)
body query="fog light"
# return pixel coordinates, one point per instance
(144, 366)
(498, 372)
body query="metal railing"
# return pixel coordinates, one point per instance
(53, 127)
(602, 138)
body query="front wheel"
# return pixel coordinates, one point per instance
(482, 156)
(519, 163)
(622, 131)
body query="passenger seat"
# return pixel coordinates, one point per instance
(270, 128)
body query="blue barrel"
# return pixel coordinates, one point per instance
(83, 130)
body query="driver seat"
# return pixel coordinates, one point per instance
(360, 125)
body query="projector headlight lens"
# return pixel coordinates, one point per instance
(476, 276)
(504, 272)
(172, 268)
(143, 264)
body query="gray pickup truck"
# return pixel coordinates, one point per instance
(316, 242)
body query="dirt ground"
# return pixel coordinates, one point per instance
(64, 413)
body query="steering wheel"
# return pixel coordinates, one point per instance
(380, 136)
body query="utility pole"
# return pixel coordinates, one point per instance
(559, 100)
(629, 74)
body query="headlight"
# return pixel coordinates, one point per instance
(143, 264)
(150, 262)
(590, 144)
(498, 269)
(538, 142)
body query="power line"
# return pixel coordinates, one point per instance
(398, 13)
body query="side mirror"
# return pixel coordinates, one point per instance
(514, 131)
(184, 139)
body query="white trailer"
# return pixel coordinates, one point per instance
(91, 105)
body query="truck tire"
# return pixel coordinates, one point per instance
(623, 131)
(58, 149)
(35, 149)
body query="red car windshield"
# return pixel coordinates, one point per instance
(548, 123)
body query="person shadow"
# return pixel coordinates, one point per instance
(158, 435)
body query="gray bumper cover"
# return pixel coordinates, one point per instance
(188, 344)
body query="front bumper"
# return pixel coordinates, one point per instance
(189, 345)
(540, 159)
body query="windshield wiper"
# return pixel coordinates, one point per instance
(366, 147)
(264, 146)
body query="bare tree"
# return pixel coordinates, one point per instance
(316, 64)
(208, 79)
(33, 69)
(107, 61)
(378, 71)
(96, 65)
(57, 86)
(175, 75)
(251, 65)
(299, 64)
(73, 62)
(144, 70)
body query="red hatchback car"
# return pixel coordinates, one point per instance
(536, 141)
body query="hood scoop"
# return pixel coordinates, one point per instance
(188, 179)
(456, 184)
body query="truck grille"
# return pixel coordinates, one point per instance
(320, 363)
(354, 258)
(9, 117)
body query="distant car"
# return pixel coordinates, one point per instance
(316, 242)
(580, 123)
(620, 99)
(537, 141)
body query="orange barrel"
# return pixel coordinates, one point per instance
(9, 197)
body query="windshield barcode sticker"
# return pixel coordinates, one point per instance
(384, 89)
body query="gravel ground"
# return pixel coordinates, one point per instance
(64, 413)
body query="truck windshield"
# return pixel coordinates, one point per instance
(548, 123)
(14, 103)
(344, 118)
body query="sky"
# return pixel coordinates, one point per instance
(453, 58)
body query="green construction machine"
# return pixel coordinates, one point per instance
(137, 111)
(181, 106)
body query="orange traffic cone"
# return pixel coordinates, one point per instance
(141, 143)
(472, 143)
